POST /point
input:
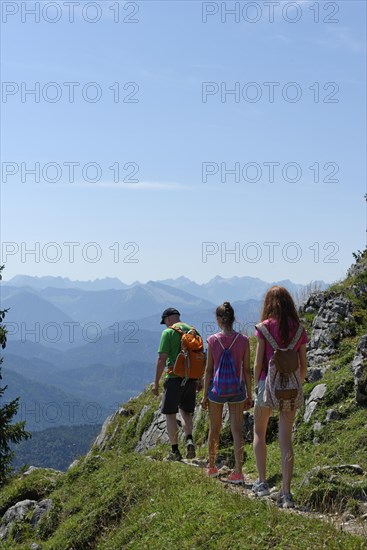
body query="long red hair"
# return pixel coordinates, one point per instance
(279, 305)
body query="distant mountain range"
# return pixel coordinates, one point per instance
(216, 290)
(40, 283)
(43, 405)
(104, 307)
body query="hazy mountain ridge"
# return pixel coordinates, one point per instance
(44, 405)
(105, 307)
(31, 316)
(40, 283)
(245, 284)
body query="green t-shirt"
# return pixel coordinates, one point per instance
(171, 345)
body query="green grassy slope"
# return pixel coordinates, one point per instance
(121, 500)
(118, 499)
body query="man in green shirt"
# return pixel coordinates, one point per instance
(177, 394)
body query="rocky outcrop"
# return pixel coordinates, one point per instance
(105, 434)
(329, 326)
(32, 469)
(16, 513)
(155, 433)
(316, 395)
(313, 303)
(359, 266)
(42, 507)
(359, 368)
(30, 510)
(313, 474)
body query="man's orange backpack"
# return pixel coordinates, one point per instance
(190, 362)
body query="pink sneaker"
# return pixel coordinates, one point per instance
(212, 472)
(234, 477)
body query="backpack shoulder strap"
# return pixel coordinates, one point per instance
(181, 331)
(177, 329)
(268, 337)
(221, 345)
(233, 341)
(296, 337)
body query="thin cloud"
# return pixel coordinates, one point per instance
(281, 37)
(131, 186)
(340, 38)
(135, 186)
(152, 186)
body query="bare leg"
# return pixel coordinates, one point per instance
(215, 418)
(236, 416)
(186, 422)
(172, 429)
(261, 419)
(286, 420)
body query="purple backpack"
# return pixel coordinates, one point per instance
(226, 381)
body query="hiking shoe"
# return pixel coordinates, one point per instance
(260, 488)
(212, 472)
(235, 477)
(174, 455)
(190, 449)
(286, 500)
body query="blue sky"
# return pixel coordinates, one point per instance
(289, 226)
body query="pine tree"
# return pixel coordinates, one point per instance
(9, 433)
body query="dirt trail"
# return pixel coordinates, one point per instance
(354, 526)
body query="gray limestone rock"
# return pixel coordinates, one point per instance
(314, 472)
(315, 373)
(16, 513)
(21, 511)
(359, 369)
(313, 303)
(156, 433)
(358, 267)
(30, 470)
(103, 437)
(317, 393)
(328, 328)
(332, 414)
(73, 464)
(42, 507)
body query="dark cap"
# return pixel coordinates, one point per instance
(169, 311)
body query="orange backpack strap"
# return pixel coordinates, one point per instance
(177, 329)
(180, 331)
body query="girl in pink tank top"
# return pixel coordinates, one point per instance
(280, 317)
(237, 400)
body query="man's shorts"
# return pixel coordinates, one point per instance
(259, 395)
(176, 395)
(238, 398)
